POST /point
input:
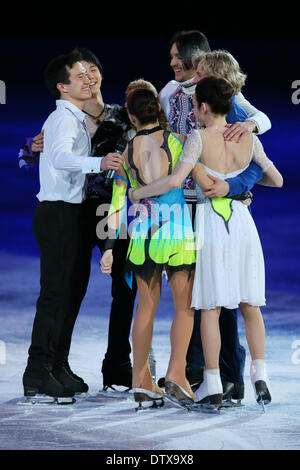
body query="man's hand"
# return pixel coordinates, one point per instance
(238, 130)
(248, 201)
(106, 262)
(112, 161)
(38, 142)
(220, 188)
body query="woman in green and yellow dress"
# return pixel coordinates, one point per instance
(162, 239)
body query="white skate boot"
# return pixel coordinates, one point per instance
(260, 382)
(209, 394)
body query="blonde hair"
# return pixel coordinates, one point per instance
(221, 64)
(140, 83)
(144, 84)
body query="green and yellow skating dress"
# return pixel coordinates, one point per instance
(160, 228)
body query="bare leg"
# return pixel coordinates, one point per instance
(181, 330)
(211, 388)
(211, 338)
(142, 331)
(255, 330)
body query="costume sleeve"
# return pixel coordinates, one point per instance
(116, 210)
(165, 94)
(27, 157)
(244, 181)
(192, 148)
(259, 156)
(261, 120)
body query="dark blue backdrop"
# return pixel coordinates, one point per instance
(270, 63)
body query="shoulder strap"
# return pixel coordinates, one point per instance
(132, 164)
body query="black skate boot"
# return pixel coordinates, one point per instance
(116, 374)
(161, 382)
(263, 396)
(40, 386)
(63, 373)
(260, 382)
(232, 391)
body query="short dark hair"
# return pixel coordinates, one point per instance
(216, 92)
(143, 104)
(56, 72)
(188, 43)
(89, 56)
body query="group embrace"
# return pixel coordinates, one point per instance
(191, 157)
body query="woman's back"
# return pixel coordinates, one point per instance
(152, 154)
(223, 156)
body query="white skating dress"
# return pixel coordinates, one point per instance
(230, 264)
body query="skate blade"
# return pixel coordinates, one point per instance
(262, 406)
(82, 395)
(159, 403)
(183, 404)
(47, 400)
(229, 403)
(206, 408)
(261, 401)
(111, 392)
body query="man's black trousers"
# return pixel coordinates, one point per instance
(58, 228)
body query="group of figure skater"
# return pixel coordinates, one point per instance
(191, 156)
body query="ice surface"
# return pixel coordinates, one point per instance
(97, 422)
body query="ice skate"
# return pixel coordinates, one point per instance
(69, 380)
(48, 391)
(233, 393)
(142, 395)
(209, 394)
(260, 383)
(176, 394)
(195, 378)
(116, 374)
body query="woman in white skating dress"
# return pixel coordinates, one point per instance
(230, 265)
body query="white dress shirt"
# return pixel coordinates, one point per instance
(65, 160)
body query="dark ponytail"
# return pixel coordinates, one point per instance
(143, 104)
(216, 92)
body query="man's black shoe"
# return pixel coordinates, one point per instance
(43, 383)
(116, 374)
(70, 380)
(233, 391)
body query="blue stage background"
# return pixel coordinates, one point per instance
(271, 68)
(132, 41)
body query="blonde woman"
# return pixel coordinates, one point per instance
(221, 64)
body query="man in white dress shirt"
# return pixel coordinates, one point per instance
(58, 226)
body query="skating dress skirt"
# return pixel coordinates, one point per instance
(161, 236)
(161, 232)
(230, 263)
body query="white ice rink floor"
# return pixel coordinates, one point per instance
(109, 423)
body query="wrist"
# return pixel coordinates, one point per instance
(102, 164)
(251, 125)
(133, 195)
(227, 188)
